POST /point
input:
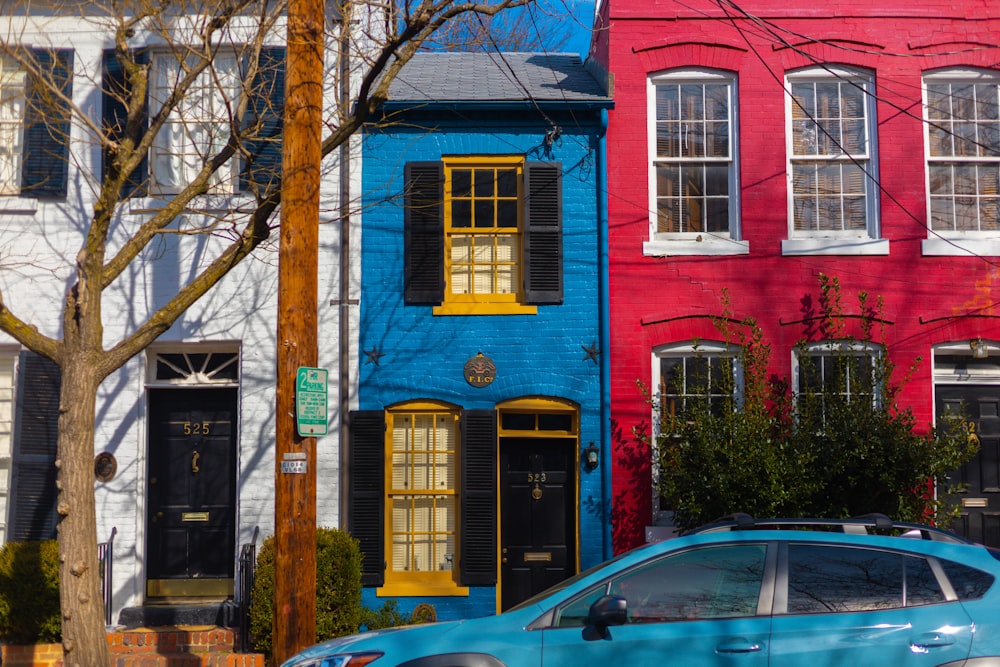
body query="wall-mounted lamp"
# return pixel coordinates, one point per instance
(980, 350)
(592, 456)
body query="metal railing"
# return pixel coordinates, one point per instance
(248, 562)
(105, 560)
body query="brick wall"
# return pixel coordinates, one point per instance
(897, 42)
(168, 647)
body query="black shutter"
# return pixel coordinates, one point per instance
(33, 488)
(478, 538)
(366, 486)
(543, 275)
(423, 235)
(115, 93)
(261, 166)
(45, 164)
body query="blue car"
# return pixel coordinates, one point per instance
(776, 593)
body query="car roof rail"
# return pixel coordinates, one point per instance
(878, 523)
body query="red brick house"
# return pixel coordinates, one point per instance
(756, 146)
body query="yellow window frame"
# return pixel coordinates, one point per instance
(492, 303)
(425, 582)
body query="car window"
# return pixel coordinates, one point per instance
(714, 582)
(824, 579)
(968, 582)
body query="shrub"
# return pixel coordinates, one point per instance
(754, 446)
(29, 593)
(338, 588)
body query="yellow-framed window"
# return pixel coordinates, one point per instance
(422, 501)
(483, 229)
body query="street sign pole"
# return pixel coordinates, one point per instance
(294, 626)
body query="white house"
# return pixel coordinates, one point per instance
(184, 453)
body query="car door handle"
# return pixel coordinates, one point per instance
(738, 645)
(931, 640)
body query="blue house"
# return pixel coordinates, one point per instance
(478, 470)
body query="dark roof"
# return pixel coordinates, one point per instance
(465, 77)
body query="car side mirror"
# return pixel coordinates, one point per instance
(606, 611)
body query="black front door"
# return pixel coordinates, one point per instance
(980, 501)
(537, 509)
(190, 524)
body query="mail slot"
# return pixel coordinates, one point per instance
(537, 556)
(194, 516)
(975, 502)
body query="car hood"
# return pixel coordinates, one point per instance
(370, 640)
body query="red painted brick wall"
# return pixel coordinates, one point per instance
(895, 39)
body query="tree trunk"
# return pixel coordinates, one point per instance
(82, 606)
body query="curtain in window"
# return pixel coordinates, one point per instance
(198, 127)
(423, 492)
(12, 105)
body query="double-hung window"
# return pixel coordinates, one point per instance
(707, 374)
(198, 127)
(483, 230)
(962, 121)
(12, 103)
(693, 164)
(844, 372)
(832, 168)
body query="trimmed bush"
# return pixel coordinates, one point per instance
(338, 588)
(29, 593)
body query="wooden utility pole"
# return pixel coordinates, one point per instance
(295, 456)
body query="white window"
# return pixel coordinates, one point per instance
(693, 178)
(848, 370)
(198, 127)
(832, 171)
(12, 105)
(686, 373)
(962, 126)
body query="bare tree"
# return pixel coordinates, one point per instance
(163, 137)
(527, 29)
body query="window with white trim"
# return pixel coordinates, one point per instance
(684, 374)
(199, 125)
(693, 163)
(832, 169)
(962, 125)
(847, 370)
(12, 106)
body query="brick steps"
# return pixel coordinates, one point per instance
(183, 646)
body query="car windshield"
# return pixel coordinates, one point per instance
(565, 583)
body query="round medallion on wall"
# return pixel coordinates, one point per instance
(480, 371)
(105, 467)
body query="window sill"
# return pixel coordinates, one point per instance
(961, 246)
(712, 245)
(203, 203)
(835, 246)
(18, 205)
(422, 589)
(485, 309)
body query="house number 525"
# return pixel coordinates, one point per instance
(195, 428)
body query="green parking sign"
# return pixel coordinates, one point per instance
(310, 401)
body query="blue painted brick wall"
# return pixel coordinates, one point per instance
(541, 354)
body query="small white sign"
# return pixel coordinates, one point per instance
(293, 467)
